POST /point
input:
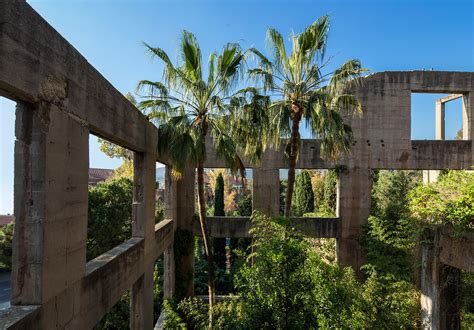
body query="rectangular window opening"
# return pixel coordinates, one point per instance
(7, 217)
(110, 196)
(436, 116)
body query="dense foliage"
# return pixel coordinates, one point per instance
(391, 234)
(285, 285)
(450, 200)
(304, 196)
(6, 240)
(110, 215)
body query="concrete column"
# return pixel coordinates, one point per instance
(353, 210)
(171, 212)
(143, 226)
(51, 202)
(266, 191)
(439, 287)
(468, 117)
(440, 121)
(183, 247)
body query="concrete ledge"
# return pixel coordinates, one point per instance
(457, 252)
(435, 155)
(19, 317)
(239, 226)
(316, 227)
(107, 279)
(164, 235)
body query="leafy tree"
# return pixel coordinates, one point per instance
(317, 183)
(189, 108)
(6, 240)
(390, 237)
(276, 287)
(302, 91)
(330, 192)
(110, 215)
(450, 200)
(244, 205)
(304, 196)
(219, 243)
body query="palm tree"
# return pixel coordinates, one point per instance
(300, 90)
(189, 110)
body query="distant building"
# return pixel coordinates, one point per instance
(97, 175)
(6, 219)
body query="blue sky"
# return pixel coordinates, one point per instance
(384, 35)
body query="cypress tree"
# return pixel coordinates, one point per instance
(330, 190)
(304, 196)
(219, 243)
(219, 196)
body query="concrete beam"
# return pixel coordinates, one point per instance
(457, 252)
(239, 226)
(449, 98)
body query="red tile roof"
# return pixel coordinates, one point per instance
(99, 174)
(6, 219)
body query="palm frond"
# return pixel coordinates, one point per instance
(191, 58)
(277, 45)
(345, 76)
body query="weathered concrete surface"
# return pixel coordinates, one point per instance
(34, 58)
(440, 281)
(19, 317)
(266, 190)
(353, 210)
(457, 252)
(239, 226)
(182, 261)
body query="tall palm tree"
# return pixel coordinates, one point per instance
(189, 109)
(300, 90)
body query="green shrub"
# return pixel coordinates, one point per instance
(110, 215)
(6, 241)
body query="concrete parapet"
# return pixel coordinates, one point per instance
(236, 227)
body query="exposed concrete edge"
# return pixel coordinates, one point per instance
(19, 317)
(164, 236)
(457, 252)
(105, 259)
(108, 277)
(239, 226)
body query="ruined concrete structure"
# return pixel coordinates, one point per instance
(61, 99)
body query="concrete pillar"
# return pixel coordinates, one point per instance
(353, 210)
(439, 287)
(51, 202)
(143, 226)
(182, 252)
(440, 121)
(171, 212)
(266, 191)
(467, 117)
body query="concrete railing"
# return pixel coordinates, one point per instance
(239, 226)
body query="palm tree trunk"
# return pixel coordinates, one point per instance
(206, 239)
(293, 155)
